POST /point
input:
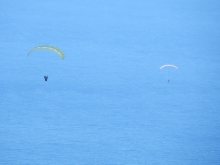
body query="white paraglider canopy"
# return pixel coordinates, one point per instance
(168, 70)
(168, 65)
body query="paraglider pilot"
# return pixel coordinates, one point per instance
(45, 78)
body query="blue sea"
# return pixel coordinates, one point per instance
(107, 102)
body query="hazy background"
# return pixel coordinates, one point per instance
(107, 103)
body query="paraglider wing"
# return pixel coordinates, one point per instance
(168, 65)
(52, 48)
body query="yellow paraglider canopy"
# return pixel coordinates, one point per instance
(51, 48)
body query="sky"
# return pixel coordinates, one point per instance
(107, 102)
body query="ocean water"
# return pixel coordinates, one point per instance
(107, 103)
